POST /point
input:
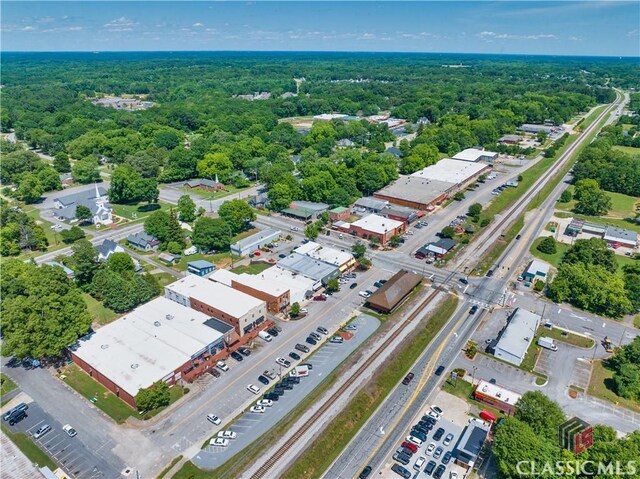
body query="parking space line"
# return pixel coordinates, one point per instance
(34, 426)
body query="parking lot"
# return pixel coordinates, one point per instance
(432, 449)
(249, 426)
(70, 453)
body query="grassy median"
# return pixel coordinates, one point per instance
(335, 437)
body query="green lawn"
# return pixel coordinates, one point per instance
(221, 260)
(553, 259)
(210, 195)
(565, 337)
(601, 386)
(339, 432)
(622, 206)
(254, 268)
(165, 278)
(6, 385)
(29, 448)
(135, 212)
(628, 149)
(101, 314)
(95, 392)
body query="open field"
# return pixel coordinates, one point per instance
(622, 206)
(221, 260)
(255, 268)
(99, 313)
(214, 195)
(552, 259)
(139, 211)
(628, 149)
(601, 386)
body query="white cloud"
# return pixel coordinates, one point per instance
(573, 39)
(367, 36)
(122, 24)
(28, 28)
(198, 24)
(489, 36)
(633, 33)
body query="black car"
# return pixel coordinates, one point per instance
(377, 284)
(353, 285)
(473, 310)
(285, 385)
(244, 351)
(302, 348)
(278, 391)
(438, 434)
(407, 379)
(420, 429)
(311, 341)
(20, 407)
(439, 371)
(237, 356)
(17, 416)
(273, 332)
(420, 435)
(446, 458)
(489, 273)
(518, 237)
(431, 465)
(282, 255)
(429, 419)
(401, 471)
(365, 472)
(294, 356)
(271, 396)
(464, 280)
(439, 472)
(263, 379)
(382, 281)
(214, 372)
(402, 458)
(292, 380)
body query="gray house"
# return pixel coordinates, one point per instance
(143, 241)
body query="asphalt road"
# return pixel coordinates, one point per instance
(252, 425)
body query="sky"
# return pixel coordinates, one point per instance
(595, 28)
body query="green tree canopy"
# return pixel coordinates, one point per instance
(237, 214)
(211, 234)
(186, 209)
(547, 245)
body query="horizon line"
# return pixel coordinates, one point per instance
(326, 52)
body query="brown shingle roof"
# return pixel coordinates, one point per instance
(394, 291)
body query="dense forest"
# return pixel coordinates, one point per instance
(199, 128)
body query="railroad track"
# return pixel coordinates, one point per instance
(295, 437)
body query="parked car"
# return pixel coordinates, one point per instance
(402, 458)
(244, 351)
(228, 434)
(364, 294)
(377, 284)
(71, 432)
(302, 348)
(257, 409)
(401, 471)
(315, 336)
(213, 419)
(489, 273)
(353, 285)
(237, 356)
(42, 430)
(264, 403)
(322, 330)
(320, 297)
(311, 341)
(273, 332)
(412, 447)
(438, 434)
(437, 410)
(336, 340)
(438, 452)
(446, 458)
(222, 366)
(219, 442)
(253, 389)
(453, 475)
(407, 379)
(419, 463)
(448, 439)
(351, 327)
(415, 440)
(431, 465)
(20, 407)
(430, 448)
(439, 472)
(283, 362)
(214, 372)
(294, 356)
(271, 397)
(263, 380)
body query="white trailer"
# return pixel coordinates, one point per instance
(547, 343)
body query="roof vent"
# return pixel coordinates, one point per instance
(104, 346)
(156, 323)
(169, 316)
(134, 366)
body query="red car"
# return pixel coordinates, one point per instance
(320, 297)
(408, 378)
(409, 445)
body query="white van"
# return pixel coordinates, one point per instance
(266, 336)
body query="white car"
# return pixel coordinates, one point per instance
(415, 440)
(227, 434)
(283, 362)
(430, 448)
(56, 227)
(437, 412)
(214, 419)
(220, 442)
(222, 366)
(364, 294)
(453, 475)
(257, 409)
(419, 463)
(448, 439)
(253, 389)
(69, 430)
(434, 415)
(294, 228)
(265, 402)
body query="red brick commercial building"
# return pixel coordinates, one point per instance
(375, 226)
(276, 295)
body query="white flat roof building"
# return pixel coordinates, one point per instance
(452, 171)
(341, 259)
(255, 281)
(475, 154)
(516, 337)
(377, 224)
(497, 392)
(299, 286)
(149, 344)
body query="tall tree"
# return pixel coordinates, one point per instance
(237, 213)
(30, 189)
(186, 208)
(541, 413)
(61, 162)
(211, 234)
(85, 261)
